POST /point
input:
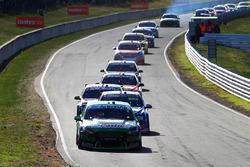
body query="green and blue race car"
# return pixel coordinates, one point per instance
(108, 125)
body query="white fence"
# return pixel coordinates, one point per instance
(231, 82)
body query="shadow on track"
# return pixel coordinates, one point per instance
(152, 133)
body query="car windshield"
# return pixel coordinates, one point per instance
(129, 47)
(169, 16)
(109, 112)
(147, 24)
(120, 79)
(95, 92)
(244, 3)
(145, 32)
(122, 67)
(133, 100)
(201, 12)
(133, 37)
(219, 8)
(231, 5)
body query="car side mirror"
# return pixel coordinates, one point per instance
(140, 71)
(141, 84)
(114, 48)
(78, 118)
(77, 98)
(102, 70)
(148, 106)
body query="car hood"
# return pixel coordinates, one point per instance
(130, 87)
(149, 37)
(97, 124)
(137, 109)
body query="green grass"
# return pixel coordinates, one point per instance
(59, 15)
(232, 59)
(194, 79)
(24, 121)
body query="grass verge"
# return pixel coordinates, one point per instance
(26, 135)
(190, 76)
(232, 59)
(59, 15)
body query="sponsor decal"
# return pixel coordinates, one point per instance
(139, 5)
(111, 125)
(30, 21)
(75, 10)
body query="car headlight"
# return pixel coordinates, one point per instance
(86, 131)
(132, 131)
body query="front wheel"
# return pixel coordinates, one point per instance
(139, 147)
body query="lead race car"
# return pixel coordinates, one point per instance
(169, 19)
(108, 125)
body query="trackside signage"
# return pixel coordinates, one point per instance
(139, 5)
(30, 21)
(77, 10)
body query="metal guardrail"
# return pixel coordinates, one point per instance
(227, 80)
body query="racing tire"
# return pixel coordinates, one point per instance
(77, 141)
(148, 132)
(139, 147)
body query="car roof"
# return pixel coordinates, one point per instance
(119, 73)
(129, 42)
(108, 103)
(142, 28)
(122, 92)
(133, 34)
(101, 85)
(165, 14)
(121, 62)
(147, 21)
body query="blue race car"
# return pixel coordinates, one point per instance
(136, 102)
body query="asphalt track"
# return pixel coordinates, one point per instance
(187, 129)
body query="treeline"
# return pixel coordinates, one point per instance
(22, 6)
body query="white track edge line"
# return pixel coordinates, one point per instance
(181, 82)
(47, 98)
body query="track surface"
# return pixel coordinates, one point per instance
(187, 130)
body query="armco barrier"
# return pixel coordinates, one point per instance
(231, 82)
(21, 42)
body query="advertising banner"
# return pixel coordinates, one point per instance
(30, 21)
(139, 5)
(78, 10)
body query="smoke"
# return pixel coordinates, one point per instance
(184, 6)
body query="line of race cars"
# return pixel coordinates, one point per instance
(220, 9)
(112, 114)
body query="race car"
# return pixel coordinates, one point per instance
(220, 9)
(136, 102)
(137, 37)
(123, 66)
(203, 13)
(151, 25)
(129, 50)
(108, 125)
(128, 81)
(169, 19)
(148, 34)
(92, 92)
